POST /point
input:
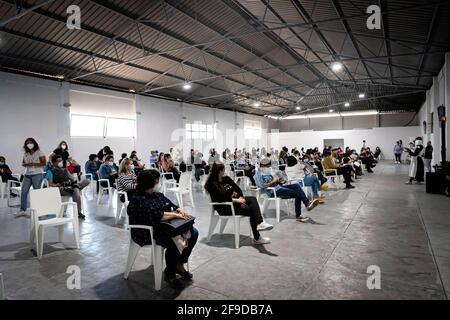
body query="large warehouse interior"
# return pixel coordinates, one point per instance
(224, 150)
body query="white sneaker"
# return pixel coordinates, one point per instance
(261, 240)
(264, 226)
(408, 182)
(21, 213)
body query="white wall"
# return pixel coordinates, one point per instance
(384, 138)
(439, 94)
(33, 107)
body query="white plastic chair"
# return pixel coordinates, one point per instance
(93, 184)
(2, 288)
(3, 188)
(242, 177)
(101, 191)
(121, 205)
(167, 180)
(156, 257)
(48, 202)
(215, 217)
(267, 200)
(13, 187)
(333, 175)
(184, 187)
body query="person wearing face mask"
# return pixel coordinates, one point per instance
(33, 162)
(5, 171)
(127, 178)
(151, 208)
(416, 167)
(304, 171)
(108, 170)
(60, 177)
(265, 179)
(63, 151)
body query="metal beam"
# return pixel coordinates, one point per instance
(25, 12)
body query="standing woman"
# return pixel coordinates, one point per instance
(416, 169)
(398, 149)
(63, 151)
(33, 161)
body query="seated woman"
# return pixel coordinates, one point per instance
(74, 168)
(127, 179)
(305, 172)
(91, 166)
(108, 170)
(169, 167)
(223, 189)
(5, 171)
(150, 207)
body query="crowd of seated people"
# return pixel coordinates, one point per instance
(281, 172)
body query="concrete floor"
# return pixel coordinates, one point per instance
(400, 228)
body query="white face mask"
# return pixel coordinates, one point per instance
(157, 188)
(30, 146)
(60, 164)
(64, 147)
(132, 167)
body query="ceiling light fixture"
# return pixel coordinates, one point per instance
(337, 66)
(187, 86)
(347, 104)
(362, 95)
(331, 110)
(298, 108)
(257, 104)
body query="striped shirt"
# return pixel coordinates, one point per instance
(126, 182)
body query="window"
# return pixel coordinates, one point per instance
(96, 126)
(120, 128)
(199, 131)
(87, 126)
(252, 130)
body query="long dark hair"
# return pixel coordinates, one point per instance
(61, 143)
(33, 141)
(213, 177)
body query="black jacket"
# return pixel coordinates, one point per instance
(222, 192)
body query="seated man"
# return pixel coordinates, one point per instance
(264, 180)
(91, 166)
(330, 162)
(60, 178)
(108, 170)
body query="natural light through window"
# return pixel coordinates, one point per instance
(120, 128)
(97, 126)
(198, 130)
(87, 126)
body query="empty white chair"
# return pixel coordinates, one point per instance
(239, 175)
(167, 180)
(215, 217)
(93, 184)
(102, 189)
(267, 200)
(45, 202)
(2, 288)
(156, 257)
(3, 188)
(14, 187)
(184, 187)
(121, 205)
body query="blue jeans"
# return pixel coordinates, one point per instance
(310, 181)
(294, 191)
(34, 180)
(427, 163)
(198, 173)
